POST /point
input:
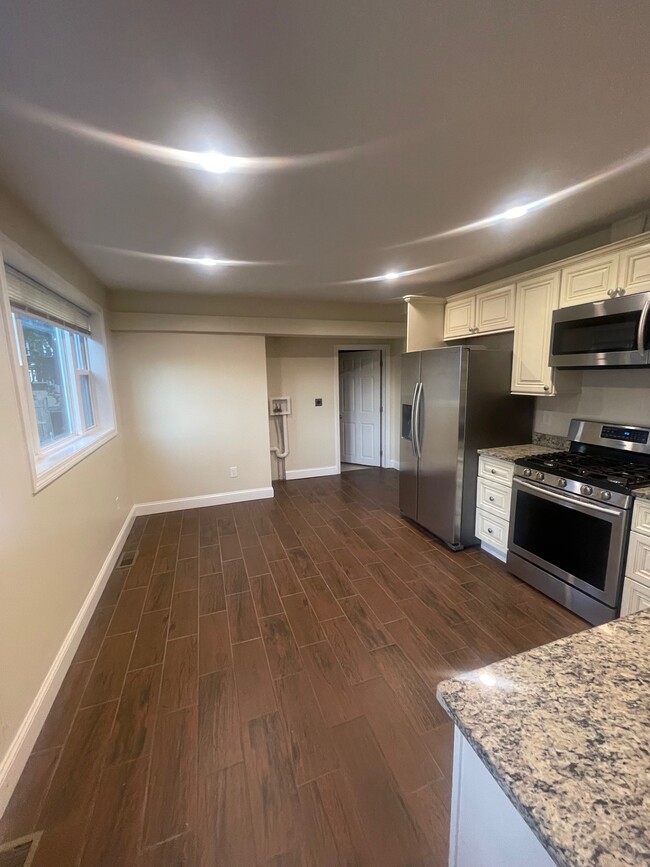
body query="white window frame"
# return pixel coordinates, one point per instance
(49, 462)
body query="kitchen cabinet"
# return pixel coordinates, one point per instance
(486, 312)
(493, 492)
(634, 269)
(460, 317)
(593, 279)
(424, 322)
(636, 589)
(537, 297)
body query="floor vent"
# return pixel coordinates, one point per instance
(19, 853)
(127, 559)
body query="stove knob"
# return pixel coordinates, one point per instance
(587, 490)
(605, 495)
(539, 476)
(561, 483)
(528, 472)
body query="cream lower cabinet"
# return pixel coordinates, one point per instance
(636, 588)
(537, 297)
(493, 493)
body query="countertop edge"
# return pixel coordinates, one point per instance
(558, 854)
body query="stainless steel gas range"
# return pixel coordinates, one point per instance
(570, 516)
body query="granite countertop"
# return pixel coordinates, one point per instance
(564, 730)
(511, 453)
(643, 493)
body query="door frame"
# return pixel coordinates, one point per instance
(384, 349)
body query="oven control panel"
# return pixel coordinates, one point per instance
(625, 434)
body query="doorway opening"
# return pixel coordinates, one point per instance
(361, 416)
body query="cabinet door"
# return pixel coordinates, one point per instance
(495, 310)
(634, 269)
(537, 297)
(636, 597)
(460, 317)
(589, 280)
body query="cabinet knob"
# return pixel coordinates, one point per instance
(489, 529)
(612, 292)
(491, 499)
(620, 291)
(494, 472)
(547, 388)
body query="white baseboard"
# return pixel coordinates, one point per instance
(154, 508)
(312, 473)
(393, 464)
(13, 763)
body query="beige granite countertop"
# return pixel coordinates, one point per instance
(643, 493)
(511, 453)
(564, 730)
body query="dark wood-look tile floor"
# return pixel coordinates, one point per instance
(259, 688)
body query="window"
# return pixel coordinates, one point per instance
(62, 376)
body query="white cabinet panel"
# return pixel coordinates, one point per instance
(537, 297)
(493, 468)
(495, 310)
(636, 597)
(641, 517)
(492, 530)
(493, 498)
(638, 558)
(460, 317)
(634, 269)
(589, 280)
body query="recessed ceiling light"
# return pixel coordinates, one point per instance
(513, 213)
(212, 161)
(392, 275)
(207, 262)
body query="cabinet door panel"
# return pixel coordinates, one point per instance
(460, 317)
(634, 270)
(537, 297)
(590, 280)
(495, 310)
(636, 597)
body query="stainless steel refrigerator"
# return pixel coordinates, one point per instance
(454, 401)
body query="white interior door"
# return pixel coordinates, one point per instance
(360, 406)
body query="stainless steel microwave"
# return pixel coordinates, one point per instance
(610, 333)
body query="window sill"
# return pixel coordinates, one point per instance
(49, 468)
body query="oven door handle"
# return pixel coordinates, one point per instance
(567, 499)
(640, 337)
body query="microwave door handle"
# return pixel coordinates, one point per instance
(643, 319)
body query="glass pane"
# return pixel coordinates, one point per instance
(575, 542)
(81, 355)
(45, 362)
(602, 334)
(86, 400)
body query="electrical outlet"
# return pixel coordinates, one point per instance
(234, 472)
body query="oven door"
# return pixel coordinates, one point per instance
(582, 543)
(602, 334)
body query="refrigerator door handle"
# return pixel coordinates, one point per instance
(413, 434)
(416, 422)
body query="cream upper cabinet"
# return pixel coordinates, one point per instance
(460, 317)
(480, 313)
(634, 269)
(589, 280)
(537, 297)
(495, 310)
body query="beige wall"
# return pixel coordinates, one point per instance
(52, 544)
(193, 405)
(304, 369)
(605, 395)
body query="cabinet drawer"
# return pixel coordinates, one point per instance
(641, 517)
(493, 497)
(493, 468)
(492, 530)
(638, 558)
(636, 597)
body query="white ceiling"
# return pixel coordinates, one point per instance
(439, 113)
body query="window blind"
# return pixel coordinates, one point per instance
(29, 296)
